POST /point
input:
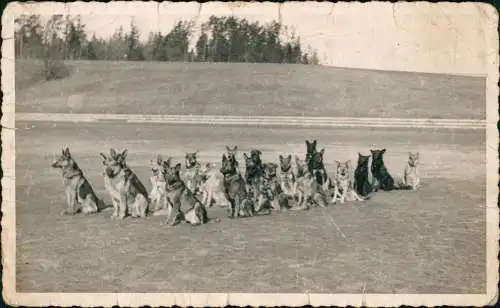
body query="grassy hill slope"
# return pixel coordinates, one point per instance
(247, 89)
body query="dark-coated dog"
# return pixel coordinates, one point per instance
(362, 183)
(381, 177)
(235, 190)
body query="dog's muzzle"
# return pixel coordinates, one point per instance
(109, 171)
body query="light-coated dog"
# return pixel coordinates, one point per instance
(128, 194)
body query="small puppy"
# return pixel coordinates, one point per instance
(411, 177)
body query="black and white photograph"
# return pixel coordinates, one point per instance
(261, 154)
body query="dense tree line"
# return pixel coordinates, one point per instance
(221, 39)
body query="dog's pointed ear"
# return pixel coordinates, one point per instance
(159, 159)
(289, 157)
(228, 148)
(224, 157)
(281, 158)
(196, 152)
(235, 148)
(322, 151)
(178, 167)
(372, 151)
(297, 159)
(246, 156)
(314, 143)
(112, 153)
(124, 154)
(66, 152)
(359, 154)
(383, 151)
(103, 156)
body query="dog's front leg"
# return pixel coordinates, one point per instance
(123, 206)
(70, 200)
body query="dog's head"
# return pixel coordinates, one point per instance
(270, 170)
(115, 162)
(311, 147)
(285, 163)
(301, 166)
(171, 174)
(191, 159)
(363, 159)
(413, 158)
(255, 156)
(343, 168)
(231, 153)
(316, 160)
(228, 167)
(64, 161)
(250, 163)
(378, 157)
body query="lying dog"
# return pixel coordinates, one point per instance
(362, 181)
(157, 196)
(235, 190)
(344, 188)
(80, 196)
(269, 192)
(126, 190)
(180, 197)
(411, 177)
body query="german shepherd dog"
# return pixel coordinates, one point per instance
(287, 182)
(362, 183)
(317, 168)
(231, 155)
(344, 187)
(310, 149)
(80, 196)
(157, 196)
(191, 170)
(235, 190)
(254, 172)
(270, 191)
(411, 177)
(180, 197)
(210, 186)
(128, 194)
(308, 190)
(381, 177)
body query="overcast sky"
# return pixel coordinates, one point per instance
(424, 37)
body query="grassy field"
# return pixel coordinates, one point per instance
(247, 89)
(429, 241)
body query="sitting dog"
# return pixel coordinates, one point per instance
(310, 149)
(180, 197)
(344, 188)
(231, 155)
(381, 177)
(287, 181)
(269, 192)
(80, 196)
(128, 194)
(308, 190)
(157, 196)
(211, 186)
(317, 168)
(411, 177)
(235, 190)
(190, 172)
(253, 174)
(362, 181)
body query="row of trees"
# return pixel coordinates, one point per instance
(222, 39)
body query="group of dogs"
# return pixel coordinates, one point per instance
(183, 193)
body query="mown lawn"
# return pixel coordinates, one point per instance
(429, 241)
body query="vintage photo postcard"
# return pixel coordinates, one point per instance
(259, 154)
